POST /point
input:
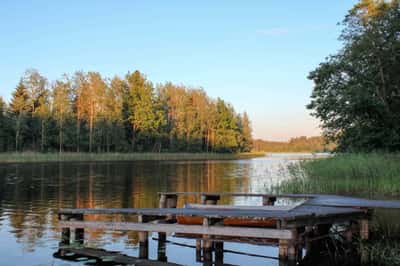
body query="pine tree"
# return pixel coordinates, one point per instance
(19, 107)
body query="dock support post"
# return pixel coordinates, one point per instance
(65, 232)
(79, 234)
(364, 235)
(290, 249)
(198, 250)
(268, 200)
(143, 241)
(283, 249)
(207, 246)
(161, 247)
(219, 253)
(210, 199)
(168, 201)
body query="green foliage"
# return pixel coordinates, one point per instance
(87, 112)
(357, 91)
(351, 174)
(299, 144)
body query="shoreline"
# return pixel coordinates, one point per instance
(37, 157)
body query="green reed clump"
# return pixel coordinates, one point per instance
(357, 175)
(361, 174)
(73, 156)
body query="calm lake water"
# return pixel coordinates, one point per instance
(30, 194)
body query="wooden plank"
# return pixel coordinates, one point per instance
(231, 207)
(312, 199)
(303, 211)
(341, 201)
(178, 228)
(239, 194)
(115, 256)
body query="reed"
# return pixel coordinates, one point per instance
(368, 175)
(348, 174)
(27, 157)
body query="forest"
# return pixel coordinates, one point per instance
(85, 112)
(299, 144)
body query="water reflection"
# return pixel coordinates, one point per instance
(31, 193)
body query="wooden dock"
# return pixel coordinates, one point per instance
(295, 229)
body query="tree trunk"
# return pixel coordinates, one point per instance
(133, 138)
(42, 136)
(61, 137)
(17, 132)
(90, 134)
(78, 134)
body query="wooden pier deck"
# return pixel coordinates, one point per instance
(294, 230)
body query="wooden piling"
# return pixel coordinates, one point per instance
(219, 253)
(268, 200)
(198, 250)
(65, 232)
(143, 240)
(210, 199)
(79, 233)
(161, 247)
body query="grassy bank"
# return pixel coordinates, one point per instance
(352, 174)
(100, 157)
(369, 175)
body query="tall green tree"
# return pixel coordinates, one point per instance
(3, 125)
(19, 107)
(36, 85)
(245, 135)
(61, 107)
(144, 115)
(357, 91)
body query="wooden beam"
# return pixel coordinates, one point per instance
(179, 228)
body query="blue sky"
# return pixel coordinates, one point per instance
(254, 54)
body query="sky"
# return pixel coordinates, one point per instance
(254, 54)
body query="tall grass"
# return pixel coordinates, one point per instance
(83, 157)
(349, 174)
(372, 175)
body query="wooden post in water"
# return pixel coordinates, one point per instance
(161, 247)
(65, 232)
(207, 246)
(219, 253)
(143, 240)
(79, 235)
(210, 199)
(268, 200)
(364, 235)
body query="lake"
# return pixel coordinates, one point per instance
(30, 194)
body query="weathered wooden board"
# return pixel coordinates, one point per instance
(312, 199)
(231, 207)
(186, 229)
(302, 211)
(110, 256)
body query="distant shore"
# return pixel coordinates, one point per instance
(31, 157)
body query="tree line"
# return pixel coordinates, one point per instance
(86, 112)
(299, 144)
(357, 90)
